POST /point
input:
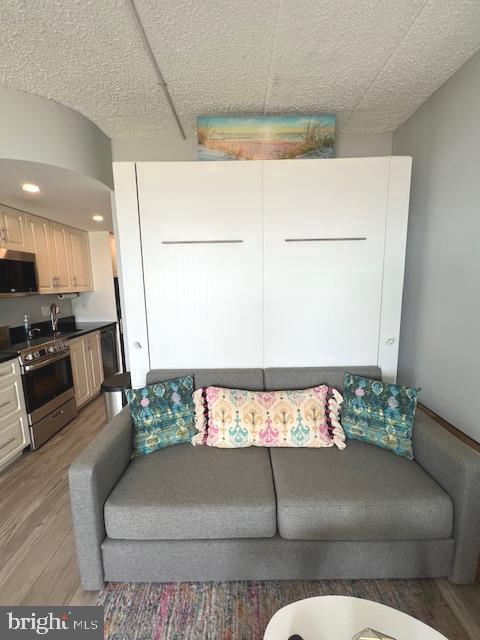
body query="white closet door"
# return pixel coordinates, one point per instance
(324, 247)
(201, 227)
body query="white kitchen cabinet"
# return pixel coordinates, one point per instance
(79, 264)
(59, 259)
(79, 359)
(62, 253)
(324, 250)
(95, 368)
(14, 435)
(268, 263)
(201, 230)
(87, 366)
(41, 246)
(14, 230)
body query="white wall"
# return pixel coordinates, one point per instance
(440, 337)
(170, 147)
(99, 304)
(39, 130)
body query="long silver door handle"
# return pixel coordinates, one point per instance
(325, 239)
(201, 241)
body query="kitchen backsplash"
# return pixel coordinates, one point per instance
(12, 310)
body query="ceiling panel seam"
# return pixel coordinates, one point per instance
(158, 72)
(272, 58)
(380, 71)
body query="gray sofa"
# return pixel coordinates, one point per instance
(201, 513)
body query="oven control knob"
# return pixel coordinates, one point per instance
(36, 354)
(51, 349)
(29, 356)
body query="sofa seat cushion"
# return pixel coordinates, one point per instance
(186, 492)
(361, 493)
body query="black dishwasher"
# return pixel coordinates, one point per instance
(108, 340)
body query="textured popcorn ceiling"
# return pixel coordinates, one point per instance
(372, 62)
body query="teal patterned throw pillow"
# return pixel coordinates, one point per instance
(379, 413)
(163, 414)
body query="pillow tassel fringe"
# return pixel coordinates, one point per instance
(338, 433)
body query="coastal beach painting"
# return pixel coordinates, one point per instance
(265, 137)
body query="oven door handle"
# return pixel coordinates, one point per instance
(33, 367)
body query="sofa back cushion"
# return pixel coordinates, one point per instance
(305, 377)
(251, 379)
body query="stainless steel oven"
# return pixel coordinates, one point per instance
(48, 388)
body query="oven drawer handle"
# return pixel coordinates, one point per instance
(55, 415)
(39, 365)
(5, 444)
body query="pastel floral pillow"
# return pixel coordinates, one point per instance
(229, 418)
(163, 414)
(379, 413)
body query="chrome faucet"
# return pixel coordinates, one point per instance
(32, 332)
(54, 312)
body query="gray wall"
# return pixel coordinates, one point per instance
(440, 334)
(12, 310)
(165, 147)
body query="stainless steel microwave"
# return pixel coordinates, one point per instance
(18, 274)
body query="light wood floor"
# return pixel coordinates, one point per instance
(37, 556)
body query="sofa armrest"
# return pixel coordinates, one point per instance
(456, 468)
(91, 478)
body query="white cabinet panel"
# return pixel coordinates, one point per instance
(201, 229)
(130, 263)
(87, 367)
(78, 357)
(394, 265)
(13, 230)
(95, 367)
(61, 280)
(41, 247)
(275, 263)
(10, 394)
(324, 246)
(79, 260)
(14, 435)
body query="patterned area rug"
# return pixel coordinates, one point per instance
(242, 610)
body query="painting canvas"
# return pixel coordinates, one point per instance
(265, 137)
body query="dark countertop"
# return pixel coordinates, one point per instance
(67, 329)
(7, 355)
(82, 328)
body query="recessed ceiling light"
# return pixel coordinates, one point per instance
(97, 218)
(31, 188)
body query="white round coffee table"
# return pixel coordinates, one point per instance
(341, 617)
